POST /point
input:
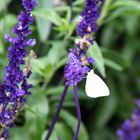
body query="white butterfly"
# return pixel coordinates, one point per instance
(95, 86)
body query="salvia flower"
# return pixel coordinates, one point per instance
(75, 71)
(90, 15)
(130, 129)
(78, 63)
(77, 66)
(14, 87)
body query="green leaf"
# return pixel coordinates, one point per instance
(61, 131)
(104, 111)
(1, 47)
(95, 52)
(104, 134)
(104, 11)
(78, 2)
(52, 137)
(123, 11)
(48, 14)
(54, 90)
(19, 133)
(112, 64)
(38, 103)
(41, 22)
(129, 3)
(46, 66)
(7, 23)
(38, 65)
(114, 60)
(121, 7)
(4, 4)
(71, 121)
(54, 54)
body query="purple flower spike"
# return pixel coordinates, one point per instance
(90, 15)
(29, 4)
(130, 129)
(78, 63)
(77, 66)
(14, 86)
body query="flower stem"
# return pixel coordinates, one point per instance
(5, 134)
(57, 112)
(78, 113)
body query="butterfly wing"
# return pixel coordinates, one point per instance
(95, 86)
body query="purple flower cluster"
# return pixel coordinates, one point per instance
(14, 87)
(90, 15)
(29, 5)
(77, 66)
(130, 129)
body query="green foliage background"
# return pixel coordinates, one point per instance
(117, 54)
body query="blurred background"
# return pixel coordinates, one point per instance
(117, 54)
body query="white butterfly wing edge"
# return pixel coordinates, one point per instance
(95, 86)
